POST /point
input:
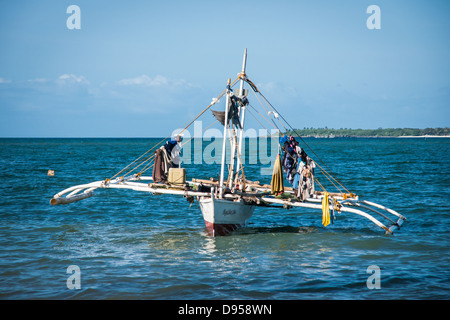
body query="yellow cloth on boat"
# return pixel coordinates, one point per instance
(276, 185)
(325, 210)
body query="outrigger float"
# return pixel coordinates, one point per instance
(227, 205)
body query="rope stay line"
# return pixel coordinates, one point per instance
(329, 174)
(142, 155)
(237, 198)
(156, 145)
(146, 163)
(210, 105)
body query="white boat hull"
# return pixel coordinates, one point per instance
(224, 216)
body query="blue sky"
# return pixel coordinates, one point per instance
(144, 68)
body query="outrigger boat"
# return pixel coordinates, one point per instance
(228, 204)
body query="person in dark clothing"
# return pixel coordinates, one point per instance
(158, 173)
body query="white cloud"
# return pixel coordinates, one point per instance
(5, 81)
(37, 80)
(71, 78)
(145, 80)
(157, 81)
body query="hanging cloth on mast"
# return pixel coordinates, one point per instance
(233, 111)
(220, 115)
(276, 185)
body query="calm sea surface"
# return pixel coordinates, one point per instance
(131, 245)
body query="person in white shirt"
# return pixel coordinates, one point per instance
(175, 154)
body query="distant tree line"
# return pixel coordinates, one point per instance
(380, 132)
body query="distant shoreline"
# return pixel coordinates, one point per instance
(424, 136)
(371, 137)
(370, 133)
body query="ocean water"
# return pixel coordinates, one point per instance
(131, 245)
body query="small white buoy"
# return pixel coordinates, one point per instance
(51, 173)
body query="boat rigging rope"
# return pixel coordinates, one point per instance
(241, 76)
(257, 118)
(210, 105)
(202, 132)
(156, 145)
(268, 112)
(241, 164)
(330, 173)
(134, 161)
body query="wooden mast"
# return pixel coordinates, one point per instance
(225, 127)
(242, 112)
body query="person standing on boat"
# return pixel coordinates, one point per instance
(172, 150)
(175, 152)
(167, 156)
(290, 158)
(304, 177)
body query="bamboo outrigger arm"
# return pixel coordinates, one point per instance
(360, 203)
(80, 192)
(368, 205)
(74, 194)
